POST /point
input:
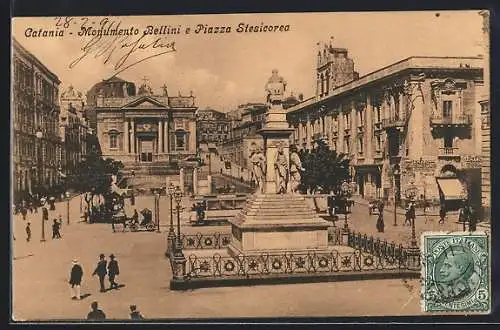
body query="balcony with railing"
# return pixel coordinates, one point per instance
(393, 122)
(438, 120)
(448, 153)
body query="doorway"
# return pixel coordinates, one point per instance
(146, 150)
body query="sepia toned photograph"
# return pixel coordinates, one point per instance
(236, 166)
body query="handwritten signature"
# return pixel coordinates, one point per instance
(121, 47)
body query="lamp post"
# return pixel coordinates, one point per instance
(67, 206)
(171, 231)
(395, 173)
(411, 192)
(157, 209)
(179, 259)
(346, 192)
(39, 136)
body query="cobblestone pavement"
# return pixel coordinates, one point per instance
(41, 270)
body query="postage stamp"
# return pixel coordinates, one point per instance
(456, 272)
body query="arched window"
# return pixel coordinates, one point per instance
(113, 139)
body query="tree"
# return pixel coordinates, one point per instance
(94, 176)
(325, 169)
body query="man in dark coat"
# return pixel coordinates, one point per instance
(100, 271)
(55, 229)
(113, 270)
(442, 214)
(96, 314)
(472, 219)
(28, 232)
(75, 280)
(380, 219)
(135, 314)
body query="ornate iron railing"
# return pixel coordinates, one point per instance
(262, 265)
(206, 241)
(374, 246)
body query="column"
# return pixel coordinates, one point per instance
(308, 133)
(369, 127)
(126, 136)
(132, 136)
(160, 136)
(165, 136)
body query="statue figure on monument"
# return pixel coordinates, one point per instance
(295, 169)
(275, 87)
(281, 167)
(125, 90)
(258, 161)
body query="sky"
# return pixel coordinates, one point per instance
(224, 70)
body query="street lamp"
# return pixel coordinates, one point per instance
(410, 193)
(179, 271)
(39, 136)
(346, 193)
(171, 231)
(157, 210)
(45, 212)
(67, 206)
(395, 173)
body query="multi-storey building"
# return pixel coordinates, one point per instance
(413, 124)
(485, 121)
(73, 130)
(35, 123)
(213, 127)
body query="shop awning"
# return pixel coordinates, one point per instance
(451, 188)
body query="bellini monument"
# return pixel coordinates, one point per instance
(276, 218)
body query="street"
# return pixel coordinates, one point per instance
(41, 290)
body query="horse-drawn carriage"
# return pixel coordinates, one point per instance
(146, 224)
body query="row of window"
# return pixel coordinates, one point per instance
(26, 79)
(26, 147)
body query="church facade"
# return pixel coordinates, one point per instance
(144, 128)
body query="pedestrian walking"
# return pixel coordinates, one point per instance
(45, 214)
(472, 219)
(113, 271)
(442, 214)
(135, 314)
(24, 212)
(411, 212)
(56, 226)
(28, 232)
(100, 271)
(75, 280)
(96, 314)
(380, 219)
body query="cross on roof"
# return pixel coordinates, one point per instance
(145, 79)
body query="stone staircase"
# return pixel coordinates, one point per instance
(277, 209)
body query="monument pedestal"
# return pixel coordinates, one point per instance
(274, 224)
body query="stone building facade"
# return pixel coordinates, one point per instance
(34, 108)
(74, 130)
(146, 131)
(485, 121)
(413, 125)
(213, 127)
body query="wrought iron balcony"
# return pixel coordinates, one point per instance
(456, 120)
(393, 122)
(448, 153)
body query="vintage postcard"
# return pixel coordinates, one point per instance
(250, 165)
